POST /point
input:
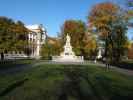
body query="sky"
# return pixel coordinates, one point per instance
(50, 13)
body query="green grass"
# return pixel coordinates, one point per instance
(14, 63)
(66, 82)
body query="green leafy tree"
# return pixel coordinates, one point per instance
(111, 24)
(52, 47)
(76, 29)
(13, 35)
(46, 51)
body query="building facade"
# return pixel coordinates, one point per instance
(36, 38)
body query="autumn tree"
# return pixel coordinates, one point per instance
(13, 35)
(111, 24)
(90, 45)
(130, 51)
(79, 36)
(52, 47)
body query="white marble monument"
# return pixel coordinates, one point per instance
(67, 55)
(99, 54)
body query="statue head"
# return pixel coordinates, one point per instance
(68, 37)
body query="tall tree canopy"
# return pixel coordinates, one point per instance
(79, 36)
(13, 35)
(51, 47)
(76, 29)
(111, 24)
(130, 51)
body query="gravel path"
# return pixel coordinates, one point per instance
(121, 70)
(35, 64)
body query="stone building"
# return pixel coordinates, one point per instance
(36, 38)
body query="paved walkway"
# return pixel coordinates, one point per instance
(35, 64)
(121, 70)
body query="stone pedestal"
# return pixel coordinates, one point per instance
(68, 55)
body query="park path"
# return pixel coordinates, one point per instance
(118, 69)
(37, 63)
(121, 70)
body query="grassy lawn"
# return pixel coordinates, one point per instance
(66, 82)
(14, 63)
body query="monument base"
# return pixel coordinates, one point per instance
(67, 59)
(67, 55)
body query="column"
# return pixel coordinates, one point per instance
(38, 49)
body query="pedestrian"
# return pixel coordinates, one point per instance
(2, 56)
(107, 62)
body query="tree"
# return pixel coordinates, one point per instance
(5, 30)
(90, 47)
(111, 24)
(13, 35)
(76, 29)
(52, 47)
(130, 51)
(56, 47)
(46, 51)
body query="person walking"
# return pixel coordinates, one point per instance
(107, 63)
(2, 56)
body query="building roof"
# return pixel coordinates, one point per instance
(35, 27)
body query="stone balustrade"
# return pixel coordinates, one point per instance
(15, 55)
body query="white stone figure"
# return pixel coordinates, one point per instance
(95, 61)
(99, 54)
(68, 48)
(68, 39)
(68, 55)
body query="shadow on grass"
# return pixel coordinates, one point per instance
(106, 87)
(13, 86)
(76, 84)
(7, 64)
(81, 85)
(72, 82)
